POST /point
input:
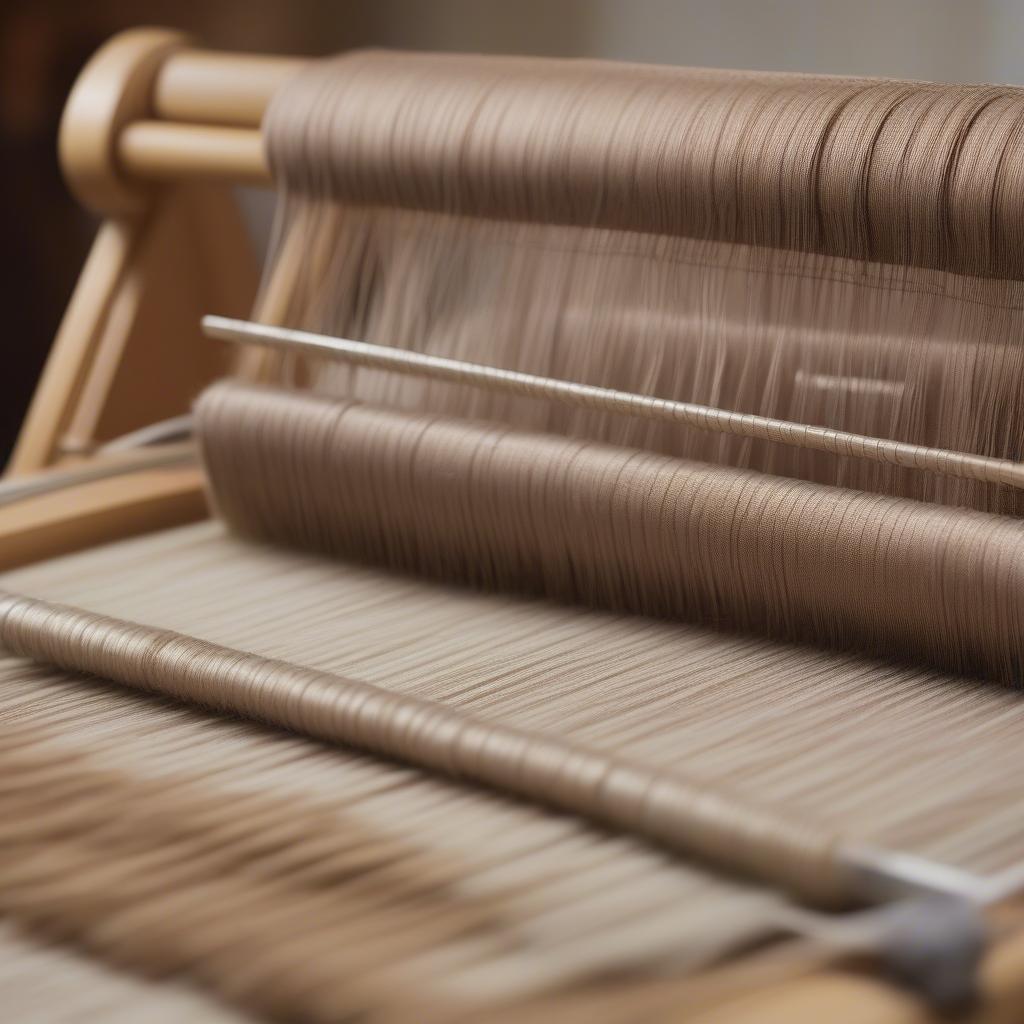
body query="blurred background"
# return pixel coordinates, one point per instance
(43, 44)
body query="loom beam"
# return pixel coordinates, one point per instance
(172, 244)
(149, 108)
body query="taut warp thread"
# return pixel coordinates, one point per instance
(835, 252)
(619, 528)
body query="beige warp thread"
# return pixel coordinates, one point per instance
(899, 172)
(256, 898)
(694, 818)
(840, 253)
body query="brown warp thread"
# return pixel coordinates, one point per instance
(618, 528)
(866, 169)
(212, 885)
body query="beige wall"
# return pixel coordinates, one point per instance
(935, 39)
(954, 40)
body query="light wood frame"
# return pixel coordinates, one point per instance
(154, 133)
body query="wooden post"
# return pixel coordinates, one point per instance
(129, 350)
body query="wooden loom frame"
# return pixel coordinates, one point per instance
(153, 134)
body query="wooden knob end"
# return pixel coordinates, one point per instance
(115, 87)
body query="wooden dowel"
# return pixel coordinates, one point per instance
(162, 151)
(148, 107)
(233, 89)
(209, 107)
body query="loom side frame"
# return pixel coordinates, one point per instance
(129, 350)
(153, 133)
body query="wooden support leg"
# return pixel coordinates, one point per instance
(129, 350)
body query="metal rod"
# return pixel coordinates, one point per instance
(881, 876)
(176, 428)
(700, 417)
(120, 463)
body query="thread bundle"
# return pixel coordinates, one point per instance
(616, 528)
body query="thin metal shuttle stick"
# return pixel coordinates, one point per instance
(588, 396)
(123, 461)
